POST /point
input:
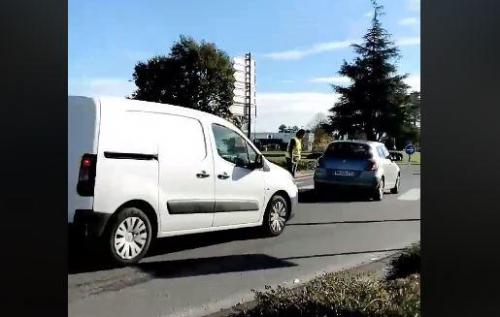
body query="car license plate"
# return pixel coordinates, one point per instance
(343, 173)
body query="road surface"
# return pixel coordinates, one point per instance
(200, 274)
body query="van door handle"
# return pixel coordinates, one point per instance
(203, 174)
(223, 176)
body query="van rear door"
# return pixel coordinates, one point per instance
(83, 131)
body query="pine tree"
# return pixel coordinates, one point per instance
(371, 105)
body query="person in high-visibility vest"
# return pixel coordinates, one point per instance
(294, 151)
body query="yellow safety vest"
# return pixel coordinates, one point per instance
(297, 150)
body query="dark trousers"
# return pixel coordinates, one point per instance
(291, 166)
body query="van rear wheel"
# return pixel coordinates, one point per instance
(129, 236)
(276, 215)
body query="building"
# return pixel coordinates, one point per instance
(278, 141)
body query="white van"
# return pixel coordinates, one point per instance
(140, 170)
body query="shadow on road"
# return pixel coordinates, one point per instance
(340, 195)
(350, 221)
(213, 265)
(87, 257)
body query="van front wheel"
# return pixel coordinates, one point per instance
(129, 236)
(276, 215)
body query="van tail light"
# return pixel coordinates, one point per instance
(372, 165)
(86, 178)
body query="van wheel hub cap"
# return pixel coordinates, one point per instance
(130, 238)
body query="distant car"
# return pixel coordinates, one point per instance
(358, 164)
(396, 155)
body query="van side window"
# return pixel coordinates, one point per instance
(230, 145)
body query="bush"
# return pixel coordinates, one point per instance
(341, 294)
(304, 164)
(406, 263)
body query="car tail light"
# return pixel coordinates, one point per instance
(372, 165)
(86, 178)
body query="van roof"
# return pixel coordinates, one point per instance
(123, 104)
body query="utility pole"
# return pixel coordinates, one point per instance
(248, 91)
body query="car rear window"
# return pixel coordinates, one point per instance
(346, 150)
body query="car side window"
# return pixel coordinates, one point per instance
(230, 145)
(380, 152)
(386, 151)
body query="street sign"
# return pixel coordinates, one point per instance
(410, 149)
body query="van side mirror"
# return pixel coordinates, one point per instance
(259, 162)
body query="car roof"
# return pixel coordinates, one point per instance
(371, 143)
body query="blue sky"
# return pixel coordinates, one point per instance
(298, 45)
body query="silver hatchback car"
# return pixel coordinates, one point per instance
(358, 164)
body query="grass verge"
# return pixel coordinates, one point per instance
(347, 294)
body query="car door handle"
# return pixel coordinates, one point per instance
(223, 176)
(203, 174)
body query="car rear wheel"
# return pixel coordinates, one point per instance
(395, 189)
(129, 236)
(276, 214)
(378, 194)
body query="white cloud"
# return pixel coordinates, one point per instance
(339, 80)
(407, 41)
(414, 5)
(116, 87)
(408, 21)
(414, 82)
(297, 54)
(274, 109)
(369, 14)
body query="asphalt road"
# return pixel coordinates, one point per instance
(200, 274)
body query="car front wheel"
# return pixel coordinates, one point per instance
(395, 189)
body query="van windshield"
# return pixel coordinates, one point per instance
(346, 150)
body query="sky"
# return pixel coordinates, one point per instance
(298, 45)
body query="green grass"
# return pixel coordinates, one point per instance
(347, 294)
(407, 263)
(341, 294)
(415, 159)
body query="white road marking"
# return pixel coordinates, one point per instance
(412, 194)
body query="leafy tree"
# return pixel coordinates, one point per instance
(317, 121)
(321, 139)
(371, 105)
(412, 108)
(410, 131)
(282, 128)
(194, 75)
(294, 129)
